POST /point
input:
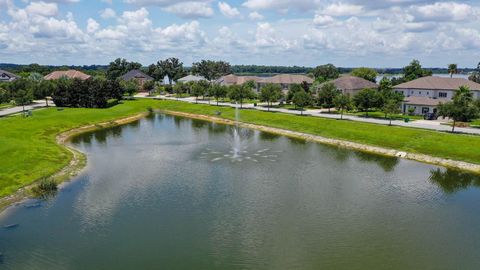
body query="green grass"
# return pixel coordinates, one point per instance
(28, 150)
(6, 105)
(381, 115)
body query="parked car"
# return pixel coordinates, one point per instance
(430, 116)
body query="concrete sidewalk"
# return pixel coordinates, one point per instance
(423, 124)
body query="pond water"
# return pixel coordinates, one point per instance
(165, 193)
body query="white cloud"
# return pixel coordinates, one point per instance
(190, 10)
(42, 9)
(92, 25)
(323, 20)
(227, 10)
(281, 5)
(448, 11)
(340, 9)
(255, 16)
(108, 13)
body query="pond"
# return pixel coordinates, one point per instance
(166, 193)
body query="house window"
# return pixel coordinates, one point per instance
(425, 110)
(419, 92)
(442, 94)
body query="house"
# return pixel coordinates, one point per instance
(351, 85)
(424, 94)
(6, 76)
(284, 80)
(191, 78)
(69, 74)
(237, 80)
(138, 76)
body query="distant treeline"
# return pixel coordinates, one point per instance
(236, 69)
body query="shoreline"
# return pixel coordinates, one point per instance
(448, 163)
(77, 163)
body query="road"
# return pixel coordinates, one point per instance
(423, 124)
(18, 109)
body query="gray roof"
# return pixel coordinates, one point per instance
(438, 83)
(352, 83)
(413, 100)
(191, 78)
(7, 76)
(136, 74)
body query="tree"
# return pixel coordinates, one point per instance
(365, 73)
(302, 99)
(119, 67)
(475, 76)
(218, 91)
(149, 86)
(342, 102)
(414, 71)
(199, 89)
(270, 93)
(390, 108)
(452, 69)
(239, 93)
(386, 93)
(171, 67)
(327, 94)
(211, 70)
(44, 90)
(325, 72)
(461, 108)
(180, 88)
(294, 88)
(131, 87)
(366, 99)
(23, 97)
(4, 96)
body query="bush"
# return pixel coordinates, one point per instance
(112, 102)
(45, 187)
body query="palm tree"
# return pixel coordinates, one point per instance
(452, 69)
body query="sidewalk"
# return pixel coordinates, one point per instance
(429, 125)
(18, 109)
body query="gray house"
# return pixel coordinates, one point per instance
(138, 76)
(6, 76)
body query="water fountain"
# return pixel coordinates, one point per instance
(239, 143)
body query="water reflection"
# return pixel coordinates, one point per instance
(452, 181)
(388, 164)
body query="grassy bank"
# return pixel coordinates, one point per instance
(28, 148)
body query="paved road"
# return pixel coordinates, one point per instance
(430, 125)
(35, 105)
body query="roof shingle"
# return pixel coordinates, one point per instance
(438, 83)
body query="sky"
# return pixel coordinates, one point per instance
(347, 33)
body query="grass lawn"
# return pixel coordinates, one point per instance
(6, 105)
(28, 150)
(381, 115)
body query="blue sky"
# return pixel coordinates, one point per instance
(348, 33)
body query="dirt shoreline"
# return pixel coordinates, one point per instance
(77, 163)
(448, 163)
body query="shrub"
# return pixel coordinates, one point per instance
(45, 187)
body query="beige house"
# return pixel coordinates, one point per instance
(351, 85)
(70, 74)
(284, 80)
(424, 94)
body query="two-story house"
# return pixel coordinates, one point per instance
(424, 94)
